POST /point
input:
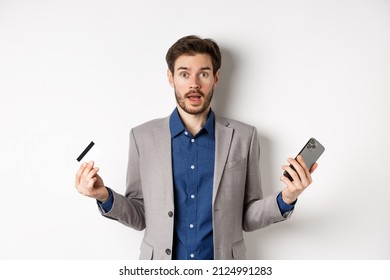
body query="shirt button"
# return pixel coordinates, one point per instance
(192, 196)
(191, 226)
(192, 166)
(185, 132)
(168, 251)
(192, 256)
(192, 140)
(170, 214)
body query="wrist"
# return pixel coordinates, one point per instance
(288, 199)
(104, 196)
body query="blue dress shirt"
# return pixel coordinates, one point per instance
(193, 174)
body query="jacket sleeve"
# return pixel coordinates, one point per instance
(129, 209)
(259, 211)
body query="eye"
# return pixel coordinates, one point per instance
(183, 74)
(203, 74)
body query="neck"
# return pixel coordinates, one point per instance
(193, 123)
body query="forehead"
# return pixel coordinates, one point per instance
(193, 62)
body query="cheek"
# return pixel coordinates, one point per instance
(180, 83)
(180, 88)
(209, 84)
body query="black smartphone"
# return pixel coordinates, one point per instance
(310, 153)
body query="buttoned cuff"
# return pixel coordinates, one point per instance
(107, 205)
(283, 206)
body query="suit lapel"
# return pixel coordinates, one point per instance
(223, 138)
(162, 137)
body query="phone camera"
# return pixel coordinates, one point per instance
(311, 146)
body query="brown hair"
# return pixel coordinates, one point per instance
(191, 45)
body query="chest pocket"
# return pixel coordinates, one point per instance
(235, 163)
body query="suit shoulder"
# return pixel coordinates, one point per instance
(237, 125)
(151, 125)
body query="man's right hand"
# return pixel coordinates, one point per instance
(89, 183)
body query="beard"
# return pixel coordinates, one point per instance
(197, 110)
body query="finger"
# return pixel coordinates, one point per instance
(288, 183)
(314, 167)
(303, 173)
(294, 175)
(91, 174)
(91, 183)
(305, 169)
(87, 170)
(302, 162)
(79, 172)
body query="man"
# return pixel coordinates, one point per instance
(193, 180)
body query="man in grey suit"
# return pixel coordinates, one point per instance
(193, 179)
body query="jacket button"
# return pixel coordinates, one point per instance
(170, 214)
(168, 251)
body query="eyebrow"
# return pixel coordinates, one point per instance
(186, 68)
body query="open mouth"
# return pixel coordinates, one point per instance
(194, 97)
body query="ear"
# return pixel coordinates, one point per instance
(216, 78)
(170, 78)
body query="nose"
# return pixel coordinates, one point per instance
(194, 82)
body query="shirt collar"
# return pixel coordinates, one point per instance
(176, 125)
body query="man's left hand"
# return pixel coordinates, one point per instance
(301, 179)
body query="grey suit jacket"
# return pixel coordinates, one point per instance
(238, 203)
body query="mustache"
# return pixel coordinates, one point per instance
(194, 91)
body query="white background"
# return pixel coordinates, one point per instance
(77, 71)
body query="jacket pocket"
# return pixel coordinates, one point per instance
(146, 251)
(239, 250)
(235, 163)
